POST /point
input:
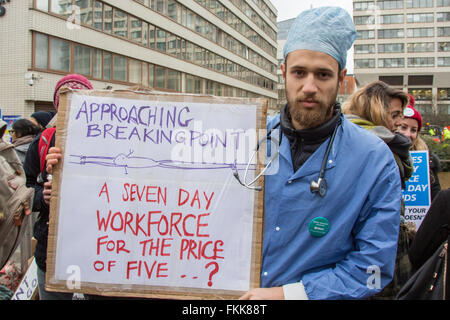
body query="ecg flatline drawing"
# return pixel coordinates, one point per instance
(127, 161)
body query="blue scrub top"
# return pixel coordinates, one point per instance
(362, 206)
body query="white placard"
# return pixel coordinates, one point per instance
(148, 197)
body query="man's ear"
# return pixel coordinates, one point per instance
(342, 75)
(283, 70)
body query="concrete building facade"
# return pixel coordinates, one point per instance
(223, 48)
(406, 43)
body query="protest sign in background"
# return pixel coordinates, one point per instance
(144, 201)
(417, 195)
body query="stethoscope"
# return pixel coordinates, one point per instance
(319, 186)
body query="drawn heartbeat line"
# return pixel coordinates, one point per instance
(128, 161)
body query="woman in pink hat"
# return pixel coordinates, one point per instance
(410, 127)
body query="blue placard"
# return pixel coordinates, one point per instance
(10, 120)
(417, 191)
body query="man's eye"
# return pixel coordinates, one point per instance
(324, 75)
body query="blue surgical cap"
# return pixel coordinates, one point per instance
(326, 29)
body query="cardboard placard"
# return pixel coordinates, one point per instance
(145, 202)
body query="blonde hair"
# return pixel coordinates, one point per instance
(418, 144)
(372, 102)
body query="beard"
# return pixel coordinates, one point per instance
(308, 118)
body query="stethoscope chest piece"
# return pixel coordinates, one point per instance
(319, 186)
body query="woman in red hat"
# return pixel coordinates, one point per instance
(410, 127)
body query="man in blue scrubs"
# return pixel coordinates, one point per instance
(335, 239)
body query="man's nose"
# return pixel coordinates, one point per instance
(309, 86)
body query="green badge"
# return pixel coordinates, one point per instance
(318, 227)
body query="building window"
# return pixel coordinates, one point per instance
(391, 48)
(172, 44)
(161, 6)
(443, 31)
(419, 17)
(42, 5)
(421, 62)
(444, 62)
(145, 34)
(391, 33)
(392, 80)
(391, 63)
(189, 83)
(364, 20)
(173, 80)
(85, 11)
(444, 108)
(151, 75)
(364, 63)
(391, 19)
(160, 77)
(172, 10)
(443, 3)
(444, 46)
(119, 68)
(98, 15)
(120, 23)
(135, 75)
(135, 29)
(421, 47)
(364, 48)
(420, 80)
(98, 61)
(443, 94)
(107, 65)
(424, 108)
(161, 40)
(363, 6)
(59, 55)
(421, 94)
(41, 51)
(61, 7)
(443, 16)
(82, 60)
(419, 3)
(108, 14)
(390, 4)
(366, 34)
(420, 32)
(210, 87)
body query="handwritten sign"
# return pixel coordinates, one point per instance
(145, 202)
(417, 195)
(27, 288)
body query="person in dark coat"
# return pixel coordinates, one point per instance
(433, 231)
(38, 180)
(42, 118)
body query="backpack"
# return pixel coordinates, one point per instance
(430, 281)
(44, 144)
(14, 219)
